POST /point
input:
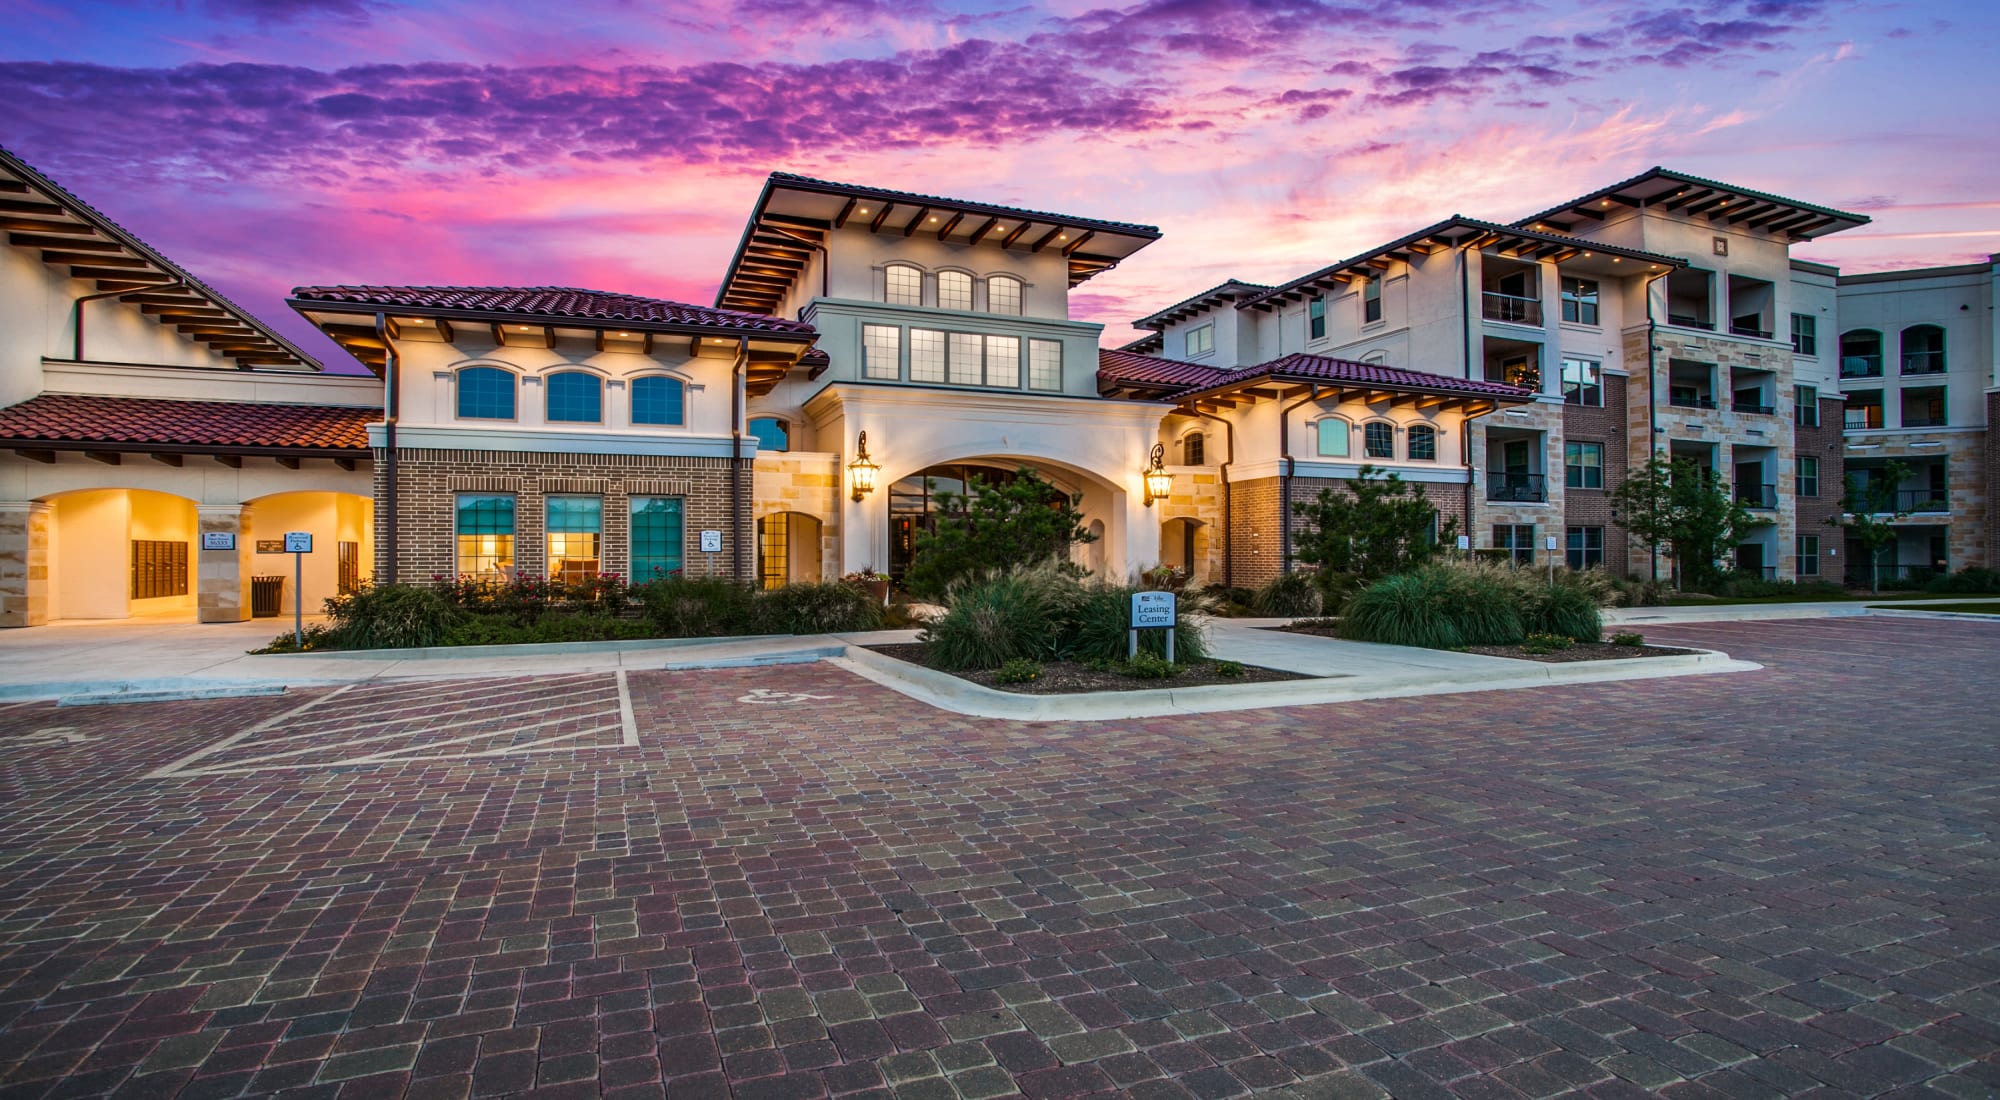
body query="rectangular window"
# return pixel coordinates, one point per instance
(881, 352)
(1579, 301)
(1583, 465)
(485, 536)
(1371, 300)
(1378, 440)
(159, 568)
(1045, 364)
(656, 538)
(904, 284)
(1584, 547)
(574, 527)
(1808, 475)
(1805, 406)
(1805, 334)
(926, 355)
(1332, 433)
(1583, 382)
(967, 364)
(1200, 340)
(1518, 539)
(1316, 319)
(1806, 555)
(1003, 361)
(774, 537)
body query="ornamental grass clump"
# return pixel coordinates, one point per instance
(832, 608)
(994, 618)
(1565, 611)
(698, 607)
(1099, 626)
(1414, 609)
(391, 616)
(1288, 595)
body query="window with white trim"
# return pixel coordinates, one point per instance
(927, 355)
(1003, 295)
(1200, 340)
(1331, 436)
(1371, 300)
(954, 290)
(1378, 440)
(903, 285)
(1003, 361)
(881, 352)
(1583, 382)
(966, 363)
(1045, 364)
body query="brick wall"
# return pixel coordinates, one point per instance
(1592, 507)
(1257, 540)
(429, 481)
(1824, 442)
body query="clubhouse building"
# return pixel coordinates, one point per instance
(870, 348)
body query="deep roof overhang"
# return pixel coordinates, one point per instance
(1282, 385)
(1722, 204)
(1222, 294)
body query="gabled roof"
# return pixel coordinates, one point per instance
(1126, 374)
(1525, 244)
(75, 236)
(1720, 203)
(1229, 290)
(76, 422)
(545, 302)
(1146, 345)
(795, 214)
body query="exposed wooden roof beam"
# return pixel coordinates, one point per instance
(97, 259)
(1719, 203)
(13, 187)
(30, 206)
(840, 219)
(48, 457)
(71, 244)
(881, 216)
(1811, 226)
(917, 222)
(1778, 214)
(980, 233)
(820, 224)
(181, 309)
(36, 225)
(169, 460)
(951, 225)
(134, 276)
(1585, 211)
(1686, 197)
(1045, 238)
(109, 458)
(1079, 243)
(1009, 239)
(1789, 224)
(1752, 211)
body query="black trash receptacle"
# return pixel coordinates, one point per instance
(267, 597)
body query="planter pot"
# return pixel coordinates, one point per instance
(877, 590)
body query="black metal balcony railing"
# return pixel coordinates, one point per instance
(1861, 366)
(1867, 416)
(1512, 308)
(1758, 496)
(1737, 328)
(1923, 500)
(1923, 362)
(1902, 574)
(1689, 320)
(1922, 419)
(1754, 407)
(1691, 401)
(1516, 488)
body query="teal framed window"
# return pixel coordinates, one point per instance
(1332, 436)
(485, 526)
(1423, 443)
(656, 538)
(485, 393)
(575, 397)
(575, 532)
(657, 399)
(771, 433)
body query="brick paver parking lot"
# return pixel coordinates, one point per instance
(794, 883)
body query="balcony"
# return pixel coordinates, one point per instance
(1516, 488)
(1754, 407)
(1764, 497)
(1689, 320)
(1511, 308)
(1739, 328)
(1861, 366)
(1923, 500)
(1686, 400)
(1923, 362)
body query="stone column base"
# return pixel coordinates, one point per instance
(222, 592)
(24, 563)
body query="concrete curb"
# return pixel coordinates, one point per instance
(948, 692)
(172, 695)
(1915, 613)
(524, 649)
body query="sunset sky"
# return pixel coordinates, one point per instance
(619, 144)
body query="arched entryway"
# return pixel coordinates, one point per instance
(914, 500)
(343, 555)
(121, 553)
(1184, 545)
(788, 549)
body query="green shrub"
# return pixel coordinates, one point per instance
(1970, 580)
(317, 636)
(1545, 643)
(1020, 670)
(1231, 669)
(503, 630)
(1288, 595)
(834, 608)
(996, 618)
(1148, 667)
(1414, 609)
(1637, 593)
(698, 607)
(1321, 623)
(1628, 638)
(1567, 612)
(1486, 604)
(391, 616)
(1100, 618)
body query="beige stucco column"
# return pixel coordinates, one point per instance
(24, 563)
(222, 577)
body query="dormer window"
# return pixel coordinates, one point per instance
(1200, 340)
(954, 290)
(1003, 295)
(903, 285)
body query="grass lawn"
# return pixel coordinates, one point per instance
(1966, 608)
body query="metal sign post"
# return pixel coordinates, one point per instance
(298, 544)
(1151, 611)
(711, 545)
(1552, 559)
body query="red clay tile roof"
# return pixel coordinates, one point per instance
(547, 301)
(1116, 367)
(1176, 379)
(59, 419)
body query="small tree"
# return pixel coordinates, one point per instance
(994, 524)
(1380, 526)
(1870, 514)
(1680, 505)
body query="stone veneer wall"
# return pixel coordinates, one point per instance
(806, 482)
(24, 563)
(1592, 507)
(1197, 496)
(1991, 477)
(430, 480)
(1814, 512)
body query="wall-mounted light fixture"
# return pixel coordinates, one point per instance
(861, 472)
(1159, 482)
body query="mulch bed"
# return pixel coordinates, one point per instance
(1581, 651)
(1070, 678)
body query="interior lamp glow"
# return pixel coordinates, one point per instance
(861, 472)
(1159, 483)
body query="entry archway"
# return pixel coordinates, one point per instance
(788, 549)
(1184, 545)
(343, 555)
(121, 553)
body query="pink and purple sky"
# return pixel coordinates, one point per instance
(619, 144)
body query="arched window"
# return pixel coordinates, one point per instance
(1003, 295)
(575, 397)
(1423, 443)
(1377, 358)
(772, 433)
(1861, 354)
(658, 399)
(903, 285)
(1332, 435)
(954, 290)
(1193, 447)
(485, 393)
(1378, 439)
(1923, 350)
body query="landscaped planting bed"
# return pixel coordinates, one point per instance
(1072, 677)
(1579, 651)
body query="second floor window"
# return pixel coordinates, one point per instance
(1193, 450)
(1579, 301)
(771, 433)
(485, 393)
(1808, 475)
(1200, 340)
(1316, 319)
(1003, 295)
(1423, 443)
(657, 399)
(1583, 382)
(1332, 437)
(1806, 407)
(903, 285)
(1045, 364)
(1583, 465)
(1371, 300)
(575, 398)
(1805, 334)
(1378, 440)
(881, 351)
(954, 290)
